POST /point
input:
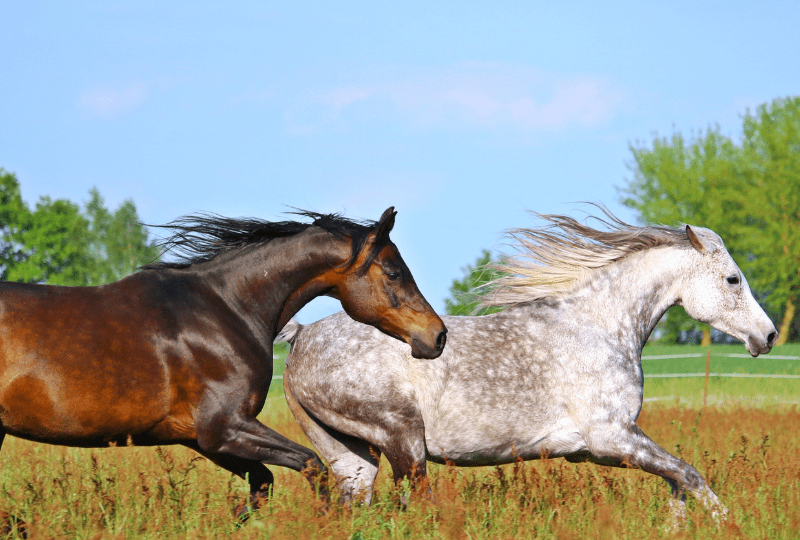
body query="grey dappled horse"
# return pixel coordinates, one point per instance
(558, 373)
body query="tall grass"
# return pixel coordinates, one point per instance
(748, 455)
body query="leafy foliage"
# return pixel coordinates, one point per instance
(767, 218)
(56, 243)
(118, 243)
(748, 193)
(462, 300)
(13, 214)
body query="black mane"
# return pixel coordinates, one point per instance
(199, 238)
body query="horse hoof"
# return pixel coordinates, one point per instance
(244, 509)
(242, 512)
(12, 524)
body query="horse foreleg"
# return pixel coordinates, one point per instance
(626, 445)
(245, 438)
(408, 457)
(258, 476)
(353, 461)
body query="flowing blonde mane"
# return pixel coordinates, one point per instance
(551, 260)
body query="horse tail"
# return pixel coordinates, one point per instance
(289, 332)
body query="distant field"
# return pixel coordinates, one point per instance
(725, 360)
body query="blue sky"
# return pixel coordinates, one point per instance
(462, 115)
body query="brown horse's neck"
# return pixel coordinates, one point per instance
(271, 282)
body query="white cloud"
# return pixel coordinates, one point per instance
(487, 95)
(108, 102)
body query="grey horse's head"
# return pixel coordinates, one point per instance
(719, 295)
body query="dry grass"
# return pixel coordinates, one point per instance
(748, 455)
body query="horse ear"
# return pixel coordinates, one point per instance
(695, 240)
(385, 224)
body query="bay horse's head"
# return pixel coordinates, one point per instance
(354, 262)
(717, 293)
(377, 288)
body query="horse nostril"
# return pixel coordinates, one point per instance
(772, 337)
(441, 339)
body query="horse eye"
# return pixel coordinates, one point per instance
(393, 276)
(733, 280)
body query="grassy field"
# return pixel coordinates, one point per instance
(748, 453)
(722, 391)
(724, 358)
(749, 456)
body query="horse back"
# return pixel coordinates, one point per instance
(83, 365)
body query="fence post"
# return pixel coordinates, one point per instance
(705, 391)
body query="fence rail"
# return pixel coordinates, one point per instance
(703, 355)
(742, 375)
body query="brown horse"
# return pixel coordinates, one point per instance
(181, 353)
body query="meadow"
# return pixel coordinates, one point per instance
(741, 380)
(747, 449)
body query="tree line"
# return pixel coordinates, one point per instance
(747, 190)
(62, 243)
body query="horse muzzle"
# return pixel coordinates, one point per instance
(422, 350)
(756, 345)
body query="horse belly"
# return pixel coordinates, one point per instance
(78, 413)
(83, 366)
(476, 442)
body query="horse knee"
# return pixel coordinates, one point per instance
(317, 475)
(627, 445)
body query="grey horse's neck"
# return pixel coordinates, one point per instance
(627, 298)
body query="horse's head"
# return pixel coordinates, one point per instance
(717, 293)
(378, 289)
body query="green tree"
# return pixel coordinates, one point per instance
(54, 238)
(117, 242)
(767, 213)
(748, 193)
(56, 243)
(13, 212)
(462, 300)
(678, 181)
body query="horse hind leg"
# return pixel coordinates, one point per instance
(353, 461)
(401, 432)
(355, 466)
